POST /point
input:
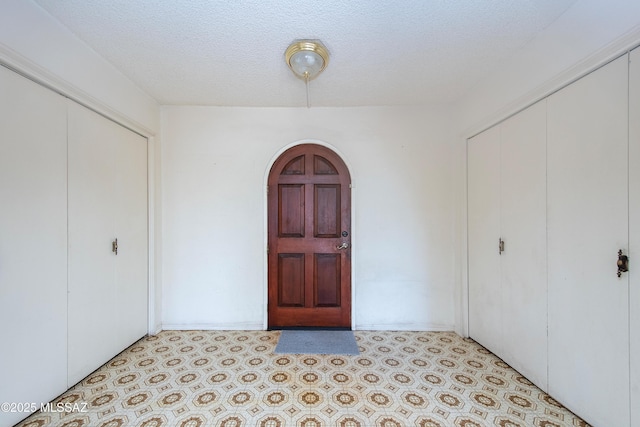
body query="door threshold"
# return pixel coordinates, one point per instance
(308, 328)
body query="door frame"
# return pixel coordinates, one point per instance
(265, 201)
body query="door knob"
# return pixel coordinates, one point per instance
(344, 245)
(623, 263)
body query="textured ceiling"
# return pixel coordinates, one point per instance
(231, 52)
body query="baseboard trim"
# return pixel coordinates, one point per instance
(250, 326)
(416, 327)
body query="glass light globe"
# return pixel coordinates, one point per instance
(306, 63)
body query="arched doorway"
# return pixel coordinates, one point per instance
(309, 239)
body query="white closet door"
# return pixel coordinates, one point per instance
(131, 230)
(92, 203)
(523, 228)
(33, 243)
(107, 201)
(634, 232)
(485, 319)
(587, 224)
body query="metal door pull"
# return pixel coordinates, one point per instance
(623, 263)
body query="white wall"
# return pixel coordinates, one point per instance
(588, 35)
(430, 201)
(214, 169)
(32, 40)
(38, 46)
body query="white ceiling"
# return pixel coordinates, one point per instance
(231, 52)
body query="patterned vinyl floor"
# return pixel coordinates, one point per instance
(233, 379)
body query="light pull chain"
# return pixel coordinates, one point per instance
(306, 83)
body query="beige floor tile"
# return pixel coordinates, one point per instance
(233, 379)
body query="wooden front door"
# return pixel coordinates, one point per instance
(309, 209)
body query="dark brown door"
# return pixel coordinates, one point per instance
(309, 239)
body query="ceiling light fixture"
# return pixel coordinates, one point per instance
(307, 59)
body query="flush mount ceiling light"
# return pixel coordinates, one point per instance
(307, 59)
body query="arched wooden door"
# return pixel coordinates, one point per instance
(309, 221)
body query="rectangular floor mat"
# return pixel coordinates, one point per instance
(317, 342)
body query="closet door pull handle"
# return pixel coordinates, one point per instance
(500, 246)
(114, 246)
(623, 263)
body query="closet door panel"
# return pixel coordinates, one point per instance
(107, 201)
(33, 243)
(92, 200)
(587, 225)
(634, 232)
(131, 230)
(485, 319)
(523, 228)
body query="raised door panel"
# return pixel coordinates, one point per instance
(523, 228)
(291, 271)
(291, 210)
(587, 225)
(92, 201)
(485, 318)
(326, 218)
(131, 229)
(326, 281)
(33, 243)
(634, 231)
